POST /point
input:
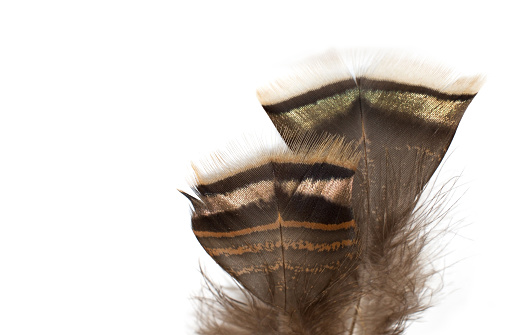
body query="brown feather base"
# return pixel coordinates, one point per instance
(244, 314)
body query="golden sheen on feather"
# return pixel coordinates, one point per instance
(325, 235)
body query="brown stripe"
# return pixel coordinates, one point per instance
(444, 112)
(260, 191)
(319, 226)
(287, 167)
(319, 247)
(312, 96)
(336, 190)
(276, 225)
(270, 246)
(421, 102)
(254, 248)
(385, 85)
(312, 115)
(299, 268)
(347, 88)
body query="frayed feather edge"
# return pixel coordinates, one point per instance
(390, 303)
(377, 64)
(240, 313)
(305, 147)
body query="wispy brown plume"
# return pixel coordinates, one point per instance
(397, 268)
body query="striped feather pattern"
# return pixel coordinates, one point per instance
(403, 114)
(285, 228)
(327, 237)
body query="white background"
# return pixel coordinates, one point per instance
(103, 104)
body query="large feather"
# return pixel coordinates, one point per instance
(403, 112)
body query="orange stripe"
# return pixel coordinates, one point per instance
(271, 246)
(276, 225)
(339, 265)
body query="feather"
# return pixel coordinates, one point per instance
(327, 235)
(403, 112)
(283, 227)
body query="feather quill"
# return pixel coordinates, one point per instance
(327, 235)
